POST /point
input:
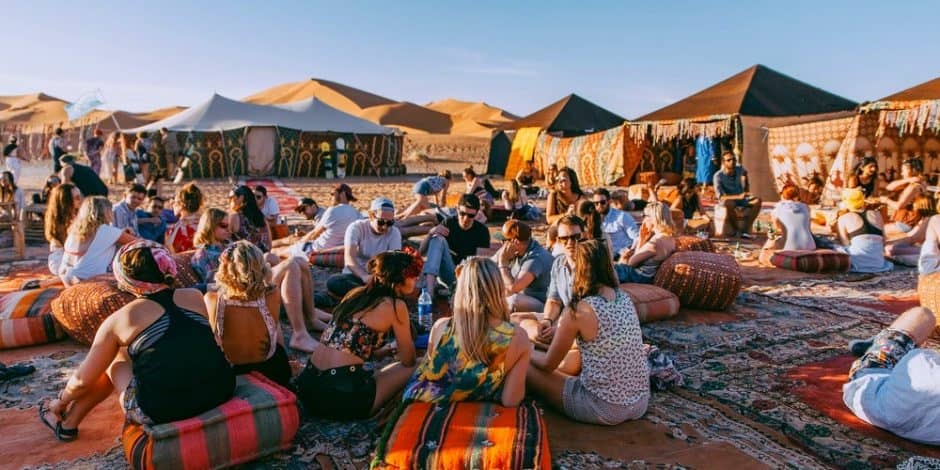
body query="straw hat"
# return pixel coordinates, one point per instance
(854, 199)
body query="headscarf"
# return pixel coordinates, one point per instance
(854, 199)
(165, 264)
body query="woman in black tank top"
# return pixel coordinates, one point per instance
(173, 368)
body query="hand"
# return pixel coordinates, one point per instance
(505, 256)
(439, 230)
(129, 231)
(546, 331)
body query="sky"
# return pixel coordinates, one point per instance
(630, 57)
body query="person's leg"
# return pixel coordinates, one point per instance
(439, 263)
(287, 276)
(524, 303)
(389, 381)
(414, 231)
(318, 319)
(548, 385)
(118, 376)
(919, 322)
(751, 214)
(420, 204)
(339, 285)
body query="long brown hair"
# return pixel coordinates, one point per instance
(592, 270)
(387, 269)
(593, 225)
(59, 213)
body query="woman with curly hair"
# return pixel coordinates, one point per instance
(92, 242)
(158, 351)
(240, 310)
(180, 236)
(337, 382)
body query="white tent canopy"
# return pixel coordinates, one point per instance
(220, 113)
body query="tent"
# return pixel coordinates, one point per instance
(734, 114)
(225, 137)
(571, 116)
(892, 129)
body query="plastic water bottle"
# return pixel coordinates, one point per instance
(425, 318)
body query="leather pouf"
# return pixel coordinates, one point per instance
(691, 243)
(708, 281)
(811, 261)
(652, 303)
(82, 308)
(928, 290)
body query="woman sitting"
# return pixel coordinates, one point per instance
(477, 355)
(240, 312)
(157, 350)
(92, 242)
(180, 236)
(477, 185)
(791, 220)
(425, 187)
(526, 178)
(688, 201)
(861, 233)
(292, 276)
(64, 203)
(865, 177)
(655, 244)
(245, 220)
(337, 383)
(905, 225)
(565, 195)
(614, 383)
(517, 203)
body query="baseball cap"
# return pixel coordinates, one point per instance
(344, 188)
(382, 204)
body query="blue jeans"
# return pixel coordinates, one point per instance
(626, 273)
(439, 261)
(422, 187)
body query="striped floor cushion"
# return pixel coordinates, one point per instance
(26, 318)
(690, 243)
(708, 281)
(465, 435)
(81, 308)
(330, 258)
(652, 303)
(262, 418)
(811, 261)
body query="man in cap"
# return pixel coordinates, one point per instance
(363, 240)
(331, 228)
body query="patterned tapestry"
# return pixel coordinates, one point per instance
(523, 148)
(598, 158)
(800, 152)
(305, 154)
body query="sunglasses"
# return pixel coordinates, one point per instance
(573, 237)
(600, 203)
(223, 225)
(467, 214)
(259, 196)
(385, 223)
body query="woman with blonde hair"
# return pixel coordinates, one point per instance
(516, 201)
(337, 382)
(476, 355)
(655, 243)
(180, 236)
(212, 236)
(240, 310)
(92, 242)
(614, 383)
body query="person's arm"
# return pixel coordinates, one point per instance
(907, 197)
(513, 285)
(645, 252)
(442, 195)
(550, 208)
(568, 328)
(401, 325)
(125, 238)
(629, 226)
(438, 230)
(65, 174)
(901, 183)
(351, 253)
(507, 204)
(746, 181)
(517, 363)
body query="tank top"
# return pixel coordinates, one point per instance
(867, 228)
(182, 235)
(253, 335)
(253, 233)
(353, 336)
(178, 368)
(613, 364)
(449, 375)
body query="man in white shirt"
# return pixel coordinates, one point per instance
(12, 159)
(363, 240)
(268, 205)
(895, 385)
(331, 228)
(125, 212)
(617, 224)
(57, 149)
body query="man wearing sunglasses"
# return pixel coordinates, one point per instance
(452, 241)
(330, 229)
(731, 189)
(363, 240)
(268, 205)
(525, 267)
(150, 223)
(617, 224)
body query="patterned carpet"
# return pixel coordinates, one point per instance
(748, 400)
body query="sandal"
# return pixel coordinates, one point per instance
(30, 285)
(13, 372)
(62, 434)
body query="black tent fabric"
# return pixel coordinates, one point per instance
(499, 154)
(571, 116)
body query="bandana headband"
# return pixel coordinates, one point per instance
(165, 264)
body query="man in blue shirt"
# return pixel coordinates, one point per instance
(731, 189)
(151, 225)
(525, 267)
(617, 224)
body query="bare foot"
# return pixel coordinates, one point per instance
(304, 343)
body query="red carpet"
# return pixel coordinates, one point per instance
(890, 303)
(287, 199)
(819, 385)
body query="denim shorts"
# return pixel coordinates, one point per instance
(422, 188)
(582, 405)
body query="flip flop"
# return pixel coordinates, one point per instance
(62, 434)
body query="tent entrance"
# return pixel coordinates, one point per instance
(259, 144)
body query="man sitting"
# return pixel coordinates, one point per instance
(363, 240)
(150, 223)
(125, 212)
(331, 228)
(618, 225)
(309, 209)
(268, 205)
(731, 189)
(452, 241)
(895, 385)
(525, 267)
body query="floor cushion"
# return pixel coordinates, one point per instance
(691, 243)
(262, 418)
(464, 435)
(81, 308)
(928, 291)
(811, 261)
(330, 258)
(652, 302)
(26, 318)
(708, 281)
(185, 274)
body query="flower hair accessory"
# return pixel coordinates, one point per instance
(417, 263)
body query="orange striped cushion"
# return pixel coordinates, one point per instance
(26, 318)
(465, 435)
(262, 418)
(652, 303)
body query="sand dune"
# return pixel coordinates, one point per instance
(343, 97)
(35, 108)
(409, 115)
(475, 110)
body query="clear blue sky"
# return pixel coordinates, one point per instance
(631, 57)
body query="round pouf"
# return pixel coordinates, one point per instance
(928, 290)
(82, 308)
(691, 243)
(707, 281)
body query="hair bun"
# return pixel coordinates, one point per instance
(169, 279)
